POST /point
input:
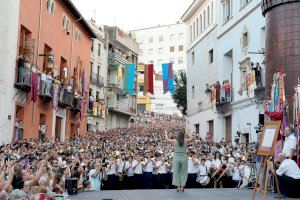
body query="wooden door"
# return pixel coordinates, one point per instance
(228, 129)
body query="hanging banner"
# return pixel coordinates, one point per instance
(120, 72)
(131, 73)
(168, 79)
(148, 79)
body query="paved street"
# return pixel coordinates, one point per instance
(206, 194)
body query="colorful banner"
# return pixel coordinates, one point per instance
(128, 79)
(168, 79)
(148, 79)
(120, 72)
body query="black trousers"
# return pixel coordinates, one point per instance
(112, 182)
(162, 181)
(154, 181)
(138, 181)
(191, 180)
(129, 182)
(289, 186)
(148, 180)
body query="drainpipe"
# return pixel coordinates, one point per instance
(39, 31)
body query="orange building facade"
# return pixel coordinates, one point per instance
(54, 40)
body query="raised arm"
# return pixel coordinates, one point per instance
(190, 137)
(167, 138)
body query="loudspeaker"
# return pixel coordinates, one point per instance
(261, 119)
(71, 186)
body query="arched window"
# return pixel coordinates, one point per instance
(201, 27)
(197, 26)
(204, 20)
(208, 15)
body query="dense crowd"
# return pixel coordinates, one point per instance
(125, 158)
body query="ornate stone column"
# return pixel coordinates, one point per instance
(282, 43)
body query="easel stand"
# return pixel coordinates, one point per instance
(265, 167)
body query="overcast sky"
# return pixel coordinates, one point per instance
(133, 14)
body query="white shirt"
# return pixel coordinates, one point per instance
(208, 163)
(112, 169)
(289, 168)
(162, 168)
(120, 164)
(216, 163)
(149, 166)
(203, 170)
(192, 168)
(137, 167)
(129, 169)
(236, 173)
(246, 172)
(43, 128)
(289, 143)
(43, 77)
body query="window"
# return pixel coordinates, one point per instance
(201, 25)
(172, 60)
(92, 45)
(141, 88)
(180, 36)
(66, 23)
(91, 68)
(97, 95)
(99, 49)
(180, 48)
(151, 40)
(180, 71)
(172, 37)
(161, 38)
(204, 20)
(161, 50)
(197, 26)
(211, 56)
(227, 10)
(244, 2)
(180, 60)
(51, 6)
(150, 51)
(208, 15)
(194, 30)
(172, 48)
(245, 40)
(191, 33)
(78, 36)
(193, 91)
(193, 57)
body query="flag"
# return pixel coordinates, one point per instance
(120, 72)
(148, 79)
(168, 79)
(128, 79)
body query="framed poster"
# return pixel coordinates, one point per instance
(269, 138)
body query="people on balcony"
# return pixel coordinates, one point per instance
(91, 102)
(227, 90)
(49, 80)
(76, 99)
(43, 82)
(19, 130)
(23, 76)
(218, 91)
(257, 69)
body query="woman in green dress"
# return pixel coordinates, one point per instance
(180, 160)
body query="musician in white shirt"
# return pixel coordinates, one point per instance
(148, 166)
(288, 175)
(161, 168)
(129, 173)
(193, 164)
(111, 173)
(138, 172)
(290, 144)
(245, 173)
(203, 170)
(120, 172)
(236, 173)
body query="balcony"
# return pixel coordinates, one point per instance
(120, 107)
(114, 60)
(224, 104)
(75, 108)
(259, 91)
(97, 110)
(24, 79)
(97, 79)
(115, 82)
(64, 98)
(46, 90)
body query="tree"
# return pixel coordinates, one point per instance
(179, 95)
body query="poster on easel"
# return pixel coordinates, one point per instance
(269, 138)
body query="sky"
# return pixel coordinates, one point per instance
(133, 14)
